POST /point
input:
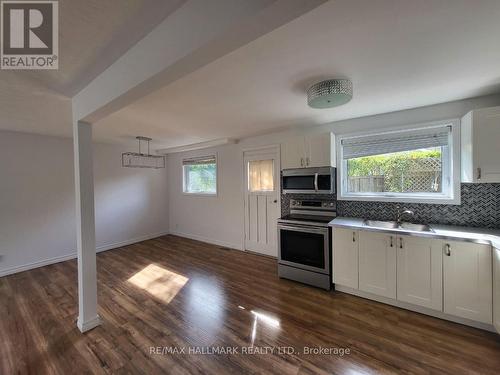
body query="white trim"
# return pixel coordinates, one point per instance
(432, 198)
(419, 309)
(37, 264)
(63, 258)
(131, 241)
(197, 146)
(87, 326)
(207, 240)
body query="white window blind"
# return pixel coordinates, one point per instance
(357, 147)
(199, 160)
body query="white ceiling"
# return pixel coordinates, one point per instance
(92, 35)
(399, 54)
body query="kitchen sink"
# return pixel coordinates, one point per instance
(395, 225)
(381, 224)
(416, 227)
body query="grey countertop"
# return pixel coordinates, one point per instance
(478, 235)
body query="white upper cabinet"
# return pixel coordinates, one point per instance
(293, 153)
(377, 263)
(467, 270)
(319, 149)
(480, 139)
(420, 272)
(316, 150)
(345, 257)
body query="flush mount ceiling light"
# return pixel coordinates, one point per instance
(329, 93)
(142, 160)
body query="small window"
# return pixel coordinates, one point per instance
(407, 166)
(261, 175)
(200, 175)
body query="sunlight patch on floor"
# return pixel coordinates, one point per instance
(159, 282)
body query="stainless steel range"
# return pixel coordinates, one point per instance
(304, 242)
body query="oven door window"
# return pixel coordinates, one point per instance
(303, 248)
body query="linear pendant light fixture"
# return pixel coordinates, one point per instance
(329, 93)
(141, 160)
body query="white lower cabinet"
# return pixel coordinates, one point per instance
(377, 263)
(345, 257)
(496, 289)
(420, 272)
(455, 277)
(467, 271)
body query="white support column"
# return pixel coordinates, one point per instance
(85, 227)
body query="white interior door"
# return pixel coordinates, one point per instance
(261, 200)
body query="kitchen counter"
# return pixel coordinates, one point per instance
(446, 232)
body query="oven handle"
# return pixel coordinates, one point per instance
(303, 229)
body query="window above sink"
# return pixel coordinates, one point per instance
(418, 164)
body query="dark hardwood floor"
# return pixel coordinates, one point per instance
(172, 293)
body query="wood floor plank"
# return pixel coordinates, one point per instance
(172, 292)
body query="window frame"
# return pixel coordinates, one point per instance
(451, 168)
(197, 193)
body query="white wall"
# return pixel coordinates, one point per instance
(215, 219)
(37, 203)
(220, 219)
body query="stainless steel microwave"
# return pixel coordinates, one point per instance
(319, 180)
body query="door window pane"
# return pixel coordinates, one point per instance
(261, 175)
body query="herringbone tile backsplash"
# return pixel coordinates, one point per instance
(480, 207)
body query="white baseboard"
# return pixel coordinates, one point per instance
(41, 263)
(88, 325)
(207, 240)
(419, 309)
(72, 255)
(130, 242)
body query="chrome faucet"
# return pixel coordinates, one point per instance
(400, 213)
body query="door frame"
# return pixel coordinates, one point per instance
(270, 148)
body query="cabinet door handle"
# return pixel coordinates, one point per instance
(479, 173)
(447, 249)
(307, 161)
(353, 236)
(391, 244)
(301, 162)
(400, 242)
